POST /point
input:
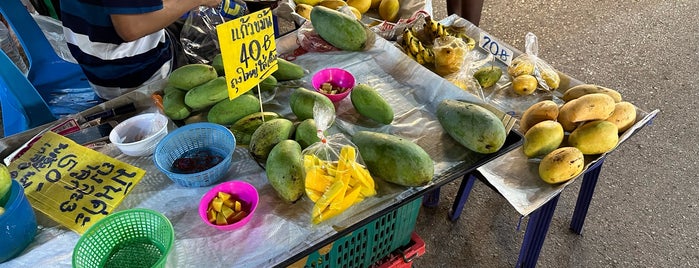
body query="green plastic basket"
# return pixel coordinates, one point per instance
(371, 242)
(130, 238)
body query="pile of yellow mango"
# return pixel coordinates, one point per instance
(336, 186)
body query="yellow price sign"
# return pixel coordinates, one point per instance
(72, 184)
(248, 50)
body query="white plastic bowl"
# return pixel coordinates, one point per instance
(139, 135)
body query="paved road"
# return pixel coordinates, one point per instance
(645, 211)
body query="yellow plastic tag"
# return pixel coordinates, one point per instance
(248, 50)
(72, 184)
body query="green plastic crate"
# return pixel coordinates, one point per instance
(369, 243)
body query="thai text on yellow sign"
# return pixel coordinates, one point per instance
(72, 184)
(248, 50)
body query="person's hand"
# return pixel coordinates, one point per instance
(210, 3)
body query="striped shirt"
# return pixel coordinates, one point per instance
(112, 65)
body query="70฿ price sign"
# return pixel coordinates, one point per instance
(248, 50)
(493, 46)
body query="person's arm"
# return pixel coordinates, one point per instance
(131, 27)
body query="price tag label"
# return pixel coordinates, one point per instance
(71, 184)
(248, 50)
(493, 46)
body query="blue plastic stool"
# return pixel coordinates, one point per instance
(62, 85)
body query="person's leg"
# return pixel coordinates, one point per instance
(467, 9)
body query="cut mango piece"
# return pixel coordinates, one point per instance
(220, 219)
(237, 216)
(211, 215)
(227, 211)
(224, 196)
(229, 203)
(313, 195)
(216, 204)
(238, 206)
(327, 198)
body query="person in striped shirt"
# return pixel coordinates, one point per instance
(122, 45)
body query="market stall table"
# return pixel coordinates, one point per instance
(280, 234)
(515, 177)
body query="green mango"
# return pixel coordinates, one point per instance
(472, 126)
(287, 70)
(339, 29)
(394, 159)
(302, 100)
(227, 112)
(207, 94)
(369, 103)
(173, 104)
(217, 63)
(246, 126)
(188, 76)
(285, 171)
(306, 133)
(267, 135)
(487, 76)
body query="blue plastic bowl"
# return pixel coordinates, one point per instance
(214, 138)
(17, 224)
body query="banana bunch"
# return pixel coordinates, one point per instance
(434, 29)
(415, 49)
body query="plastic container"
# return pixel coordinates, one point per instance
(17, 224)
(130, 238)
(404, 256)
(215, 138)
(337, 78)
(239, 190)
(138, 135)
(370, 243)
(9, 47)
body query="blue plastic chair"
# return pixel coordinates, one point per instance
(55, 87)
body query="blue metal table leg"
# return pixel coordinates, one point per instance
(462, 196)
(431, 199)
(587, 189)
(537, 228)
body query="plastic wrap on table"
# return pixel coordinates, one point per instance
(310, 41)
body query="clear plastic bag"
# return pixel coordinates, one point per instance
(336, 176)
(546, 75)
(464, 79)
(310, 41)
(199, 37)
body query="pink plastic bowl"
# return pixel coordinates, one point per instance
(336, 77)
(239, 190)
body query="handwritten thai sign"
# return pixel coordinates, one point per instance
(72, 184)
(493, 46)
(248, 50)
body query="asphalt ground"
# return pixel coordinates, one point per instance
(645, 210)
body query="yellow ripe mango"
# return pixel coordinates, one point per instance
(595, 106)
(624, 116)
(543, 138)
(388, 10)
(561, 165)
(595, 137)
(361, 5)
